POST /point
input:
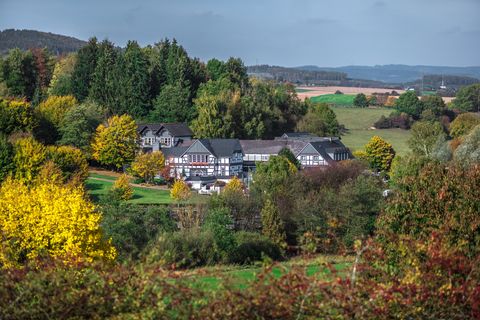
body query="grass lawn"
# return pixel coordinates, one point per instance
(302, 90)
(336, 99)
(211, 278)
(97, 188)
(358, 122)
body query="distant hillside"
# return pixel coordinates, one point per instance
(26, 39)
(396, 73)
(310, 77)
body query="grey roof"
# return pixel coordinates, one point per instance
(176, 129)
(222, 147)
(271, 146)
(174, 151)
(296, 135)
(328, 146)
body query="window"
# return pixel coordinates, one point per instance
(148, 141)
(265, 157)
(166, 141)
(197, 158)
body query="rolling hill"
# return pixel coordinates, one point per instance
(26, 39)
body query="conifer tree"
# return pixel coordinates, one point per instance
(84, 69)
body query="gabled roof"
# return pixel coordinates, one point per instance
(222, 147)
(328, 146)
(178, 129)
(218, 147)
(175, 129)
(174, 151)
(297, 135)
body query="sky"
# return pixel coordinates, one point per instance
(327, 33)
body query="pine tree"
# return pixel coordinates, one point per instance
(134, 82)
(84, 69)
(104, 83)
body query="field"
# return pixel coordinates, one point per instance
(336, 99)
(359, 121)
(98, 184)
(309, 92)
(212, 278)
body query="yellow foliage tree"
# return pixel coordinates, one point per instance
(235, 185)
(122, 189)
(115, 143)
(379, 154)
(49, 219)
(147, 165)
(180, 191)
(70, 160)
(55, 108)
(29, 157)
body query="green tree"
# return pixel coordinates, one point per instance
(173, 105)
(115, 143)
(84, 69)
(216, 69)
(79, 124)
(409, 103)
(320, 120)
(134, 95)
(468, 98)
(19, 73)
(379, 154)
(272, 176)
(104, 84)
(433, 103)
(219, 223)
(424, 136)
(360, 101)
(285, 152)
(272, 226)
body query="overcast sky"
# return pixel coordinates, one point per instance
(278, 32)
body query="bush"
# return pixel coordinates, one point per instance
(121, 189)
(252, 246)
(185, 249)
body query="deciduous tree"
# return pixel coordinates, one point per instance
(272, 225)
(424, 136)
(180, 191)
(379, 153)
(409, 103)
(148, 165)
(115, 143)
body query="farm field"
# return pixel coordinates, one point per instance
(336, 99)
(359, 121)
(310, 92)
(212, 278)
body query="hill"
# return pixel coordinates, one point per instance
(397, 73)
(26, 39)
(309, 77)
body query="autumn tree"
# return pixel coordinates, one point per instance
(70, 160)
(468, 152)
(61, 81)
(360, 101)
(180, 191)
(379, 154)
(320, 120)
(424, 136)
(434, 103)
(115, 143)
(463, 124)
(16, 115)
(148, 165)
(272, 225)
(287, 153)
(51, 220)
(55, 108)
(121, 188)
(29, 157)
(235, 185)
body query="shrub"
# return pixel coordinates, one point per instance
(360, 101)
(133, 227)
(252, 246)
(70, 160)
(463, 124)
(185, 249)
(220, 224)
